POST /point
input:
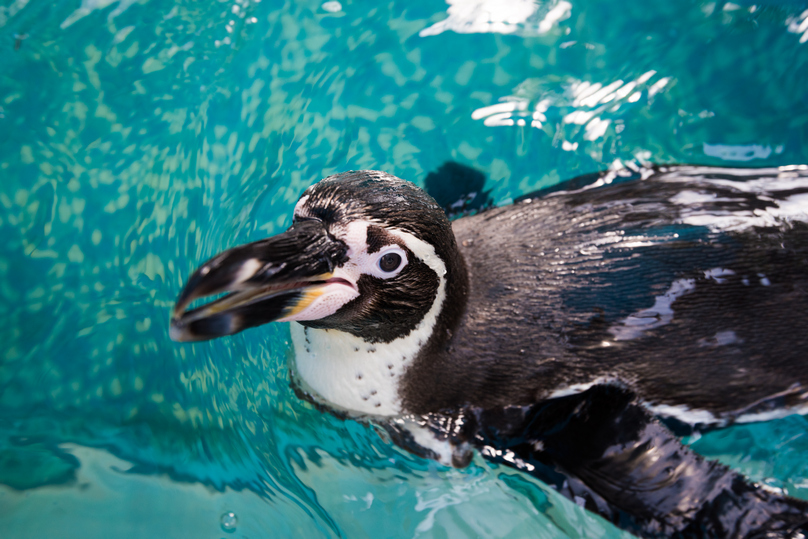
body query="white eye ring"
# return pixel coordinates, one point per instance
(376, 262)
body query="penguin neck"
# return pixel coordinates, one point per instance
(349, 374)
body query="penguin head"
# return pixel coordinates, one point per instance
(366, 254)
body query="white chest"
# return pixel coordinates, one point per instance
(350, 373)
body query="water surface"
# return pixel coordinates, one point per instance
(138, 138)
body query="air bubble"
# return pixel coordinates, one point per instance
(229, 522)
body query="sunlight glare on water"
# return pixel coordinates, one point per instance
(139, 138)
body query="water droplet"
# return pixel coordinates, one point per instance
(229, 522)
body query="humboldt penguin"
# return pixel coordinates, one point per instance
(572, 335)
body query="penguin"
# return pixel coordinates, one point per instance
(573, 334)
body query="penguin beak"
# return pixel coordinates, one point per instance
(264, 281)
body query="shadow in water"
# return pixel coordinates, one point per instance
(458, 189)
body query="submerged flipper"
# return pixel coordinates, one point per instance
(605, 451)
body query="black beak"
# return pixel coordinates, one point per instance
(265, 280)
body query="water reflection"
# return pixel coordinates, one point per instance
(740, 152)
(132, 147)
(592, 106)
(241, 11)
(522, 17)
(88, 6)
(799, 25)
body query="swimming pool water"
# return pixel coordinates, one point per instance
(138, 138)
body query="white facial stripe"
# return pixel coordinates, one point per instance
(350, 373)
(359, 260)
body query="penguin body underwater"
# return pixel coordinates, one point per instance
(569, 335)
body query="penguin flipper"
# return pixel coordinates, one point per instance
(605, 451)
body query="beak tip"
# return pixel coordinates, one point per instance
(176, 332)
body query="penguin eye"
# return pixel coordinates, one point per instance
(390, 262)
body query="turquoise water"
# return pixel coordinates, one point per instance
(138, 138)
